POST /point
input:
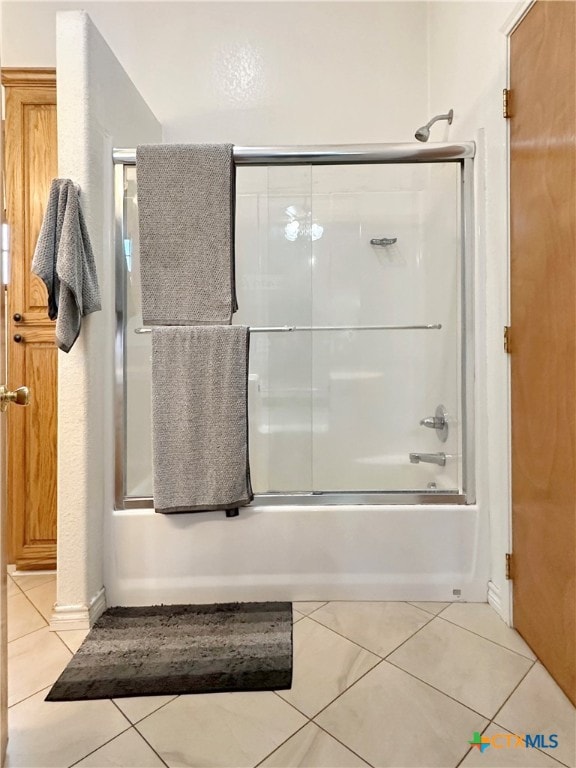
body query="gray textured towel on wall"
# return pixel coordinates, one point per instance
(64, 260)
(186, 196)
(199, 418)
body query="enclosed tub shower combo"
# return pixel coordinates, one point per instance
(355, 275)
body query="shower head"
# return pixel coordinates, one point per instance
(423, 134)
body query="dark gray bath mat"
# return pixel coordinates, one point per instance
(176, 649)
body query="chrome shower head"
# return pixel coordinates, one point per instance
(423, 134)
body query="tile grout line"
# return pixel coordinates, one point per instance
(175, 696)
(284, 742)
(443, 693)
(311, 722)
(387, 658)
(342, 743)
(277, 693)
(314, 609)
(41, 586)
(424, 609)
(16, 703)
(384, 661)
(375, 653)
(547, 754)
(512, 692)
(472, 632)
(97, 748)
(469, 750)
(493, 721)
(25, 591)
(18, 587)
(141, 720)
(62, 641)
(27, 634)
(130, 725)
(354, 642)
(380, 661)
(33, 606)
(139, 732)
(457, 701)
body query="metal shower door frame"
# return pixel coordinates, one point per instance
(463, 154)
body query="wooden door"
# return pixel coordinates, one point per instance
(31, 163)
(3, 529)
(543, 334)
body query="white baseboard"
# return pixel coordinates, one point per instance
(78, 616)
(495, 598)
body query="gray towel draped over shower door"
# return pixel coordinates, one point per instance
(186, 199)
(200, 418)
(186, 196)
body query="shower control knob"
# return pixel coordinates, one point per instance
(439, 422)
(433, 422)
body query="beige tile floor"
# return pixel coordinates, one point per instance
(402, 685)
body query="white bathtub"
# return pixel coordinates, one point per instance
(384, 552)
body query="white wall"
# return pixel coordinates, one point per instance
(473, 35)
(319, 73)
(92, 118)
(256, 73)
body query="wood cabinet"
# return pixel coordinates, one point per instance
(31, 164)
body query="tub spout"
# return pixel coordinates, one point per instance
(428, 458)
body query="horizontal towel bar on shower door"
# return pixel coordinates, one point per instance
(337, 154)
(290, 328)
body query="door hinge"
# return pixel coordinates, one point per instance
(507, 339)
(509, 567)
(506, 103)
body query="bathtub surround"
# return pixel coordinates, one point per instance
(186, 205)
(64, 260)
(181, 649)
(200, 418)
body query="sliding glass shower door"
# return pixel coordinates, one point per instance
(366, 393)
(369, 257)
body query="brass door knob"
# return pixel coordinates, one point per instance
(20, 396)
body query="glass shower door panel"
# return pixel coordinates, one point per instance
(444, 248)
(138, 350)
(333, 410)
(377, 385)
(273, 251)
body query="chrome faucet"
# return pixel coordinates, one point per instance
(428, 458)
